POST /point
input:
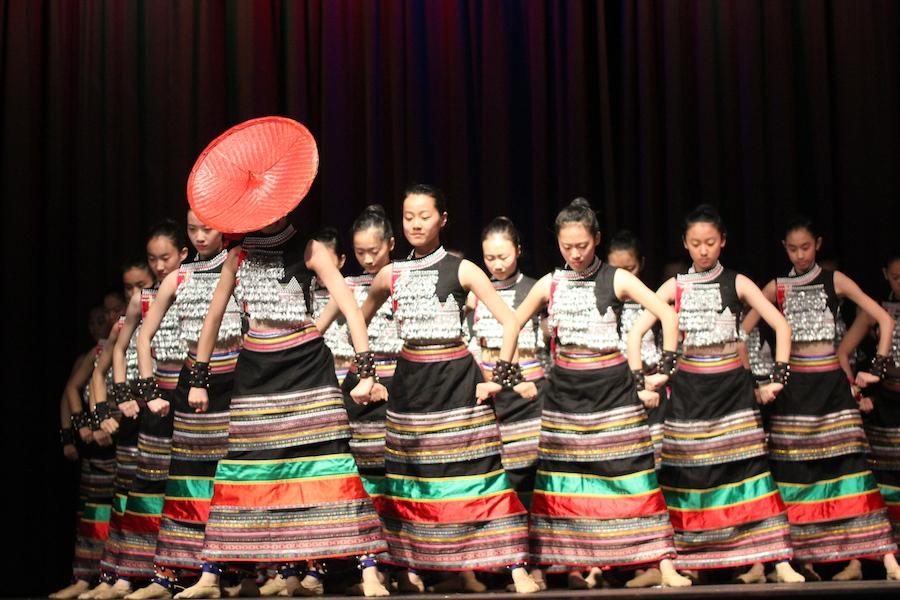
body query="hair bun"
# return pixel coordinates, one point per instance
(580, 202)
(375, 209)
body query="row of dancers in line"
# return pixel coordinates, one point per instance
(242, 442)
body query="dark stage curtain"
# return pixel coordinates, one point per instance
(513, 107)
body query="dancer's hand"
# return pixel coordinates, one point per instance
(526, 389)
(379, 393)
(110, 425)
(655, 381)
(158, 406)
(864, 379)
(768, 392)
(86, 435)
(362, 392)
(102, 438)
(130, 409)
(649, 398)
(486, 390)
(198, 399)
(70, 452)
(865, 404)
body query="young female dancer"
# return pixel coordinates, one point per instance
(97, 466)
(166, 249)
(136, 275)
(723, 502)
(596, 500)
(447, 503)
(288, 489)
(373, 241)
(337, 337)
(817, 444)
(200, 434)
(881, 399)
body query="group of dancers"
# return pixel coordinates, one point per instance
(255, 414)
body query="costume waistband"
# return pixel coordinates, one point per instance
(814, 363)
(717, 363)
(434, 352)
(532, 369)
(220, 362)
(274, 340)
(166, 378)
(587, 361)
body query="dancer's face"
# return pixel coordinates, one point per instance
(577, 245)
(801, 248)
(704, 242)
(422, 223)
(206, 240)
(500, 255)
(163, 257)
(134, 280)
(625, 259)
(371, 249)
(892, 275)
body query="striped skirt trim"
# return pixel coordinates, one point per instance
(434, 353)
(747, 543)
(709, 364)
(276, 340)
(813, 437)
(589, 437)
(97, 480)
(735, 436)
(814, 363)
(587, 361)
(449, 436)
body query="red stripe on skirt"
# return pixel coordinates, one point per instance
(729, 516)
(502, 505)
(289, 494)
(840, 508)
(140, 524)
(93, 531)
(195, 511)
(597, 508)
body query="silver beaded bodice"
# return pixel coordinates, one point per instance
(649, 350)
(703, 316)
(574, 315)
(263, 295)
(198, 283)
(805, 306)
(759, 354)
(384, 337)
(421, 316)
(488, 330)
(337, 337)
(168, 345)
(131, 357)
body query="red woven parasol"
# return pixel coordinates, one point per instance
(253, 174)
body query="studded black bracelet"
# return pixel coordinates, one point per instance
(198, 376)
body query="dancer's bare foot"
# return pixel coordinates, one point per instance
(470, 583)
(153, 591)
(450, 583)
(308, 586)
(538, 576)
(669, 577)
(577, 581)
(70, 592)
(852, 572)
(756, 574)
(273, 587)
(409, 582)
(809, 573)
(594, 578)
(373, 583)
(523, 581)
(206, 587)
(89, 594)
(120, 589)
(785, 573)
(247, 588)
(892, 568)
